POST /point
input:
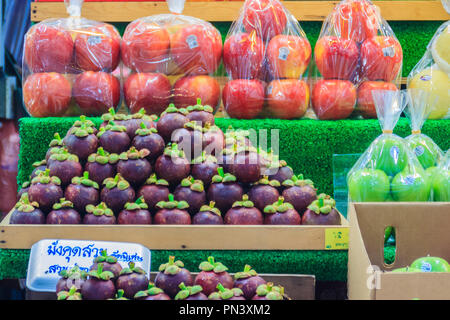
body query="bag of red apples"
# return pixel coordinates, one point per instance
(171, 58)
(70, 66)
(266, 56)
(356, 53)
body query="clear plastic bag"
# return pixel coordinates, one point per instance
(71, 66)
(173, 58)
(432, 73)
(356, 53)
(388, 170)
(440, 176)
(266, 56)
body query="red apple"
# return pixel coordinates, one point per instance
(381, 58)
(96, 92)
(365, 105)
(287, 99)
(145, 47)
(266, 17)
(243, 99)
(288, 56)
(186, 90)
(47, 94)
(243, 55)
(48, 48)
(150, 91)
(333, 99)
(336, 58)
(97, 48)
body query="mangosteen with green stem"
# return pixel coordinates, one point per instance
(264, 192)
(72, 294)
(99, 285)
(63, 213)
(71, 277)
(39, 166)
(171, 119)
(244, 212)
(204, 168)
(110, 263)
(54, 145)
(111, 115)
(24, 189)
(65, 166)
(191, 191)
(82, 191)
(45, 190)
(101, 165)
(189, 139)
(172, 212)
(282, 171)
(269, 292)
(208, 214)
(322, 212)
(190, 293)
(152, 293)
(299, 192)
(203, 114)
(114, 138)
(26, 212)
(148, 138)
(171, 275)
(246, 165)
(116, 193)
(82, 142)
(154, 190)
(248, 281)
(99, 214)
(224, 190)
(172, 165)
(136, 120)
(134, 167)
(212, 273)
(132, 280)
(226, 294)
(135, 213)
(281, 213)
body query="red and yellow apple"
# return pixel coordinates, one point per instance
(333, 99)
(243, 99)
(288, 98)
(266, 17)
(186, 90)
(365, 104)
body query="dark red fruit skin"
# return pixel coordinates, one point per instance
(168, 123)
(312, 218)
(116, 199)
(65, 170)
(89, 218)
(63, 216)
(115, 268)
(172, 216)
(283, 173)
(153, 143)
(170, 283)
(99, 172)
(263, 195)
(206, 217)
(224, 195)
(190, 141)
(249, 285)
(46, 195)
(114, 142)
(82, 147)
(172, 172)
(135, 171)
(209, 281)
(153, 194)
(197, 296)
(81, 196)
(201, 116)
(133, 124)
(246, 167)
(159, 296)
(134, 217)
(34, 172)
(95, 289)
(204, 171)
(193, 198)
(132, 283)
(291, 217)
(242, 215)
(62, 284)
(299, 197)
(34, 217)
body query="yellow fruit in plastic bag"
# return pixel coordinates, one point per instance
(440, 50)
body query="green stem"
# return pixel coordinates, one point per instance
(321, 202)
(199, 101)
(280, 201)
(247, 268)
(220, 287)
(211, 260)
(212, 204)
(171, 197)
(220, 172)
(86, 175)
(57, 136)
(112, 112)
(182, 286)
(100, 151)
(139, 200)
(171, 260)
(143, 126)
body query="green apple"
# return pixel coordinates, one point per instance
(411, 185)
(390, 155)
(431, 264)
(407, 269)
(441, 185)
(426, 151)
(367, 185)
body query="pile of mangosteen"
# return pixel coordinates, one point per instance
(179, 169)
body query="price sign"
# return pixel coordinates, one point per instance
(336, 238)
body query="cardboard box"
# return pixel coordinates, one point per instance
(422, 228)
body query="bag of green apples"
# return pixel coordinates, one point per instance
(388, 170)
(440, 179)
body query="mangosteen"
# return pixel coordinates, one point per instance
(190, 293)
(114, 138)
(45, 190)
(82, 191)
(171, 275)
(38, 166)
(237, 137)
(213, 140)
(269, 292)
(189, 139)
(82, 142)
(171, 119)
(73, 277)
(133, 166)
(152, 293)
(111, 115)
(281, 212)
(200, 113)
(322, 211)
(82, 122)
(54, 145)
(24, 189)
(136, 120)
(246, 165)
(264, 192)
(154, 191)
(226, 158)
(63, 213)
(204, 168)
(135, 213)
(26, 212)
(226, 294)
(208, 214)
(224, 190)
(110, 263)
(116, 193)
(99, 285)
(248, 280)
(72, 294)
(99, 214)
(131, 280)
(172, 165)
(101, 165)
(280, 171)
(191, 191)
(65, 166)
(244, 212)
(172, 212)
(212, 273)
(299, 192)
(148, 138)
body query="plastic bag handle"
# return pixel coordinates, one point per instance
(73, 7)
(176, 6)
